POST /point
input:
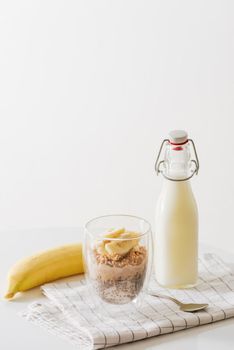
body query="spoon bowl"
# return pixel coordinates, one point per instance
(191, 307)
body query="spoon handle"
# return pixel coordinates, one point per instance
(165, 297)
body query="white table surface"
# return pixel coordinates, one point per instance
(16, 333)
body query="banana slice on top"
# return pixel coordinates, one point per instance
(130, 234)
(124, 246)
(114, 233)
(105, 238)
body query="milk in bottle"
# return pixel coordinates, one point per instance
(176, 233)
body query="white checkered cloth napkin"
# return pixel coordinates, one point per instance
(71, 313)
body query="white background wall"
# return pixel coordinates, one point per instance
(88, 89)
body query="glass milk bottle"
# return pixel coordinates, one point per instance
(176, 235)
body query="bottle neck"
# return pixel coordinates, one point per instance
(177, 161)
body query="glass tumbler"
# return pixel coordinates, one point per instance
(117, 254)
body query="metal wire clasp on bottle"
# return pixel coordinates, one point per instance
(159, 163)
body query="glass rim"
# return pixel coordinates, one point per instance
(87, 230)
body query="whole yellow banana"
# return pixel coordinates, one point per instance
(44, 267)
